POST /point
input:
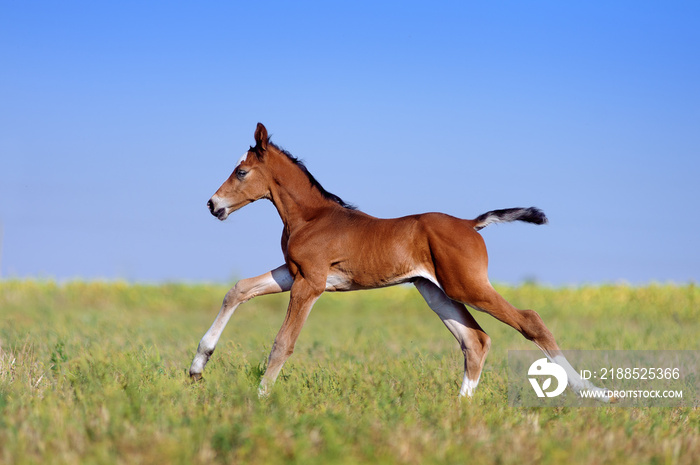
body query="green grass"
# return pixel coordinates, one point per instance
(96, 373)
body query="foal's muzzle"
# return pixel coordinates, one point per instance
(220, 213)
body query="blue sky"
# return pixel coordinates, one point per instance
(119, 120)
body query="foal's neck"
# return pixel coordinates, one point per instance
(293, 195)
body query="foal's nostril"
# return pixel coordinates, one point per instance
(210, 204)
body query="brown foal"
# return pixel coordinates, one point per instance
(330, 246)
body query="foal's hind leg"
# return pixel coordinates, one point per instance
(485, 298)
(473, 341)
(277, 280)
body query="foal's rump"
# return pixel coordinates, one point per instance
(454, 244)
(458, 252)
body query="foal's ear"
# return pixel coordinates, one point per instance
(261, 136)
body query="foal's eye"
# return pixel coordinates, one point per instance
(240, 174)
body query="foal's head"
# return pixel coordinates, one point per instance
(248, 182)
(260, 169)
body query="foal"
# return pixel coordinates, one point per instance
(330, 246)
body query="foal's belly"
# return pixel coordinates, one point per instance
(343, 281)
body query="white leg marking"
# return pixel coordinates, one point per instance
(469, 386)
(278, 280)
(452, 315)
(577, 383)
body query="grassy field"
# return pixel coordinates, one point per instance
(96, 373)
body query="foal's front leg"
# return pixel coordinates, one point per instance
(272, 282)
(302, 298)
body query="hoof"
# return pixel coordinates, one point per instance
(263, 391)
(195, 377)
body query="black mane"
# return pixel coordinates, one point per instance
(313, 180)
